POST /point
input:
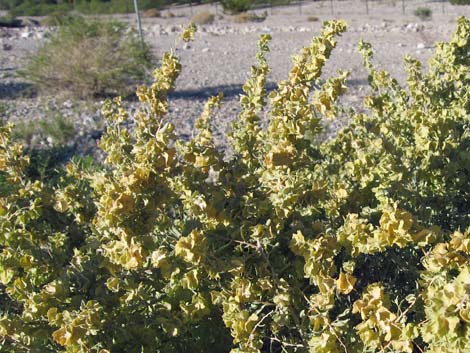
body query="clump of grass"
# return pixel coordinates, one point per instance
(88, 58)
(3, 111)
(203, 18)
(236, 6)
(248, 17)
(58, 18)
(10, 21)
(55, 130)
(151, 13)
(312, 19)
(423, 13)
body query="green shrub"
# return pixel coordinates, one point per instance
(10, 21)
(359, 244)
(459, 2)
(236, 6)
(247, 17)
(58, 18)
(87, 59)
(312, 19)
(56, 130)
(203, 18)
(424, 13)
(151, 13)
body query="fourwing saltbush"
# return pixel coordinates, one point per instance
(358, 244)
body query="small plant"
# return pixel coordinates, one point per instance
(203, 18)
(248, 17)
(58, 18)
(151, 13)
(423, 13)
(10, 21)
(53, 131)
(236, 6)
(3, 111)
(312, 19)
(87, 59)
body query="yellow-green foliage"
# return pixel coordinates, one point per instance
(355, 245)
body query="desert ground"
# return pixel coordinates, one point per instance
(220, 57)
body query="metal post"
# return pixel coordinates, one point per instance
(367, 7)
(139, 23)
(300, 7)
(332, 8)
(403, 6)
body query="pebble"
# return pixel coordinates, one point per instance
(26, 34)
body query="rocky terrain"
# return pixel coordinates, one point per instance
(221, 56)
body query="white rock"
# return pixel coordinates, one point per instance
(26, 34)
(205, 50)
(420, 46)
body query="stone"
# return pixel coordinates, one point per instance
(26, 34)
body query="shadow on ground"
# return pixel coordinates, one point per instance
(15, 90)
(229, 91)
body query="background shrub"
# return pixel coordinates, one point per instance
(312, 19)
(424, 13)
(460, 2)
(151, 13)
(89, 58)
(10, 21)
(203, 17)
(248, 17)
(236, 6)
(58, 18)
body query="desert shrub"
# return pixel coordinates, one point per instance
(152, 13)
(236, 6)
(203, 18)
(58, 18)
(423, 13)
(37, 8)
(247, 17)
(10, 21)
(460, 2)
(53, 130)
(358, 244)
(89, 58)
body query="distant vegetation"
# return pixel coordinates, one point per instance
(48, 7)
(88, 59)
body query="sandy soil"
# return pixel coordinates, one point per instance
(221, 56)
